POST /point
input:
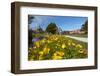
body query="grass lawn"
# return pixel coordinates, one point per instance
(57, 47)
(79, 35)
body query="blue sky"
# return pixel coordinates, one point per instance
(66, 23)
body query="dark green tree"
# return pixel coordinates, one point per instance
(85, 27)
(52, 28)
(30, 19)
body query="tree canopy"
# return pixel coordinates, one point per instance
(52, 28)
(30, 18)
(85, 27)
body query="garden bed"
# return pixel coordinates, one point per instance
(56, 47)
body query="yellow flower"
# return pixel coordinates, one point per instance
(43, 41)
(81, 51)
(40, 57)
(78, 46)
(41, 52)
(63, 46)
(59, 53)
(55, 54)
(37, 44)
(46, 50)
(48, 41)
(56, 38)
(73, 44)
(56, 57)
(69, 43)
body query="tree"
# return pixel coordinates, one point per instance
(85, 27)
(30, 19)
(40, 30)
(52, 28)
(59, 30)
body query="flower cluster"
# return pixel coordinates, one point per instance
(56, 47)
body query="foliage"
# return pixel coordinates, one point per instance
(52, 28)
(30, 19)
(39, 30)
(56, 47)
(30, 37)
(85, 27)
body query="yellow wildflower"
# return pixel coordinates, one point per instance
(81, 51)
(56, 57)
(40, 57)
(69, 43)
(46, 50)
(63, 46)
(73, 44)
(78, 46)
(43, 41)
(56, 38)
(37, 44)
(48, 41)
(59, 53)
(41, 52)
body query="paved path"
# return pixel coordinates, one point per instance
(78, 38)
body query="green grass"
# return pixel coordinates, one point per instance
(84, 44)
(80, 35)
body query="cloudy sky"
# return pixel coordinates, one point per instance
(67, 23)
